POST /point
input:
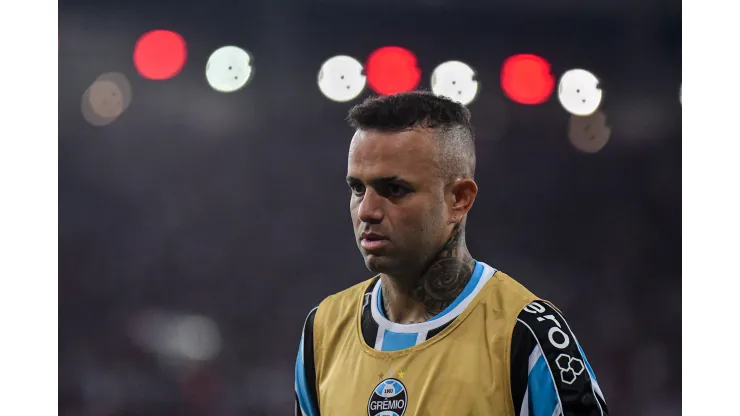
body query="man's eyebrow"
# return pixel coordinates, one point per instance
(380, 181)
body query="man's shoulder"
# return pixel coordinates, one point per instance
(503, 287)
(346, 299)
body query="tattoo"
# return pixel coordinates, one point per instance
(447, 276)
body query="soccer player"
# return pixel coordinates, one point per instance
(435, 332)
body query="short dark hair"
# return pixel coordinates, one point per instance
(421, 109)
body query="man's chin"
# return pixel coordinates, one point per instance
(378, 263)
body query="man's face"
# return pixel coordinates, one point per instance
(397, 204)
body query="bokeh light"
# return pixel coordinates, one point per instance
(589, 134)
(341, 78)
(178, 336)
(160, 54)
(579, 92)
(455, 80)
(526, 79)
(106, 99)
(124, 86)
(91, 116)
(391, 70)
(228, 69)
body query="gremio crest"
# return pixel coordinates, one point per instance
(389, 398)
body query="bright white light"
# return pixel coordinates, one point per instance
(341, 78)
(228, 69)
(579, 92)
(454, 80)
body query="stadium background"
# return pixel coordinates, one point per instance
(198, 228)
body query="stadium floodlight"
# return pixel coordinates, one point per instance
(579, 92)
(229, 69)
(455, 80)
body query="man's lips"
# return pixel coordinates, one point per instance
(373, 241)
(371, 245)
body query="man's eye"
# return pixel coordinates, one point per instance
(357, 188)
(395, 190)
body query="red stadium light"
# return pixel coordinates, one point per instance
(160, 54)
(526, 79)
(391, 70)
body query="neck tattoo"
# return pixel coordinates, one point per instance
(445, 278)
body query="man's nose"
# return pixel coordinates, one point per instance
(371, 210)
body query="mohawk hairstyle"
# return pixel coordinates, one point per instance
(423, 110)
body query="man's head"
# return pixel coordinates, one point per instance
(410, 169)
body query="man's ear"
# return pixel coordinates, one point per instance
(461, 196)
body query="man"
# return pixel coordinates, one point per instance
(435, 332)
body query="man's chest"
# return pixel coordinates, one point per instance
(448, 378)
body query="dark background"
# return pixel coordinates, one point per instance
(233, 207)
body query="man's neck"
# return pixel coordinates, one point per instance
(442, 282)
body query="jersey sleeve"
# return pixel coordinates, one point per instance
(306, 397)
(550, 374)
